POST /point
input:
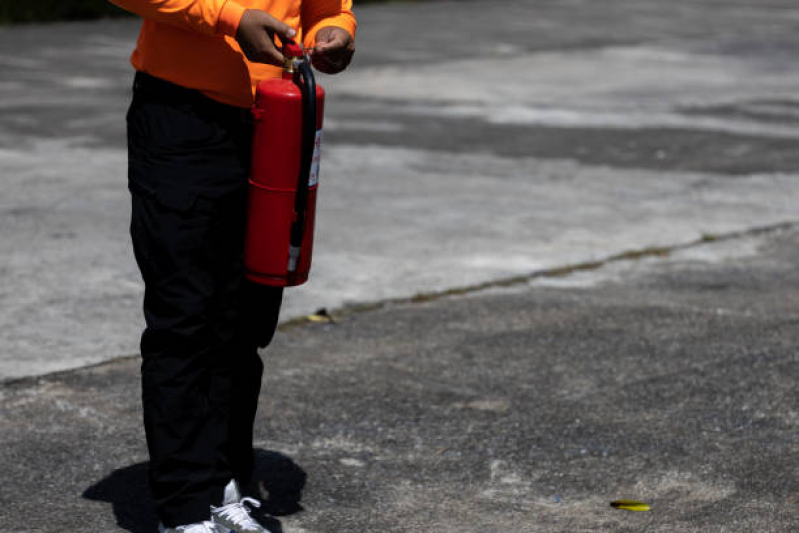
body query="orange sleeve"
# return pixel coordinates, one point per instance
(316, 14)
(211, 17)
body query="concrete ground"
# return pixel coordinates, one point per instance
(559, 238)
(465, 145)
(527, 408)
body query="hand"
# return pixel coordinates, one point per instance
(333, 50)
(255, 33)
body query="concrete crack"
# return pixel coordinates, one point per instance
(555, 272)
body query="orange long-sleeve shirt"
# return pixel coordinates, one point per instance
(191, 42)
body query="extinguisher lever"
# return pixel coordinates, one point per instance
(307, 85)
(291, 49)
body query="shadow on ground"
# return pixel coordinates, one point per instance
(278, 483)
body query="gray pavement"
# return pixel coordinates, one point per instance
(560, 241)
(465, 145)
(528, 409)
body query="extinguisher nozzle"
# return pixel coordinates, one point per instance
(294, 255)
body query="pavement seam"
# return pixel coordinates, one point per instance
(330, 316)
(554, 272)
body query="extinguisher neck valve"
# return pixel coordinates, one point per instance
(293, 54)
(290, 65)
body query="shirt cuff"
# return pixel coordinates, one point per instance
(229, 18)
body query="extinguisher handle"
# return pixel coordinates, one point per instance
(291, 48)
(307, 83)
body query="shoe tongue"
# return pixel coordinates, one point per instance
(232, 493)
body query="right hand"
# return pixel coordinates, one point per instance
(255, 33)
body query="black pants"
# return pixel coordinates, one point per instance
(201, 373)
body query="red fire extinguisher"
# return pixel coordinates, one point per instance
(284, 174)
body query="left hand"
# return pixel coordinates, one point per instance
(333, 50)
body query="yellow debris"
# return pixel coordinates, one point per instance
(630, 505)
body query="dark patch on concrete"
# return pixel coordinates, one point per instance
(768, 111)
(666, 149)
(83, 124)
(567, 24)
(21, 211)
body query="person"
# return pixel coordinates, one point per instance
(189, 132)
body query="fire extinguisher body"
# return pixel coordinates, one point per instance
(281, 122)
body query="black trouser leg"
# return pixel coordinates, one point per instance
(201, 373)
(190, 350)
(260, 310)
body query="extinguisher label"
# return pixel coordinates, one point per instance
(313, 179)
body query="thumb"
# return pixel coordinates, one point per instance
(281, 28)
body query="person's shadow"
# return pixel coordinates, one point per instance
(278, 483)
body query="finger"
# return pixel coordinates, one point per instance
(324, 35)
(281, 28)
(334, 42)
(268, 53)
(273, 58)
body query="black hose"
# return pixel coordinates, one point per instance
(308, 89)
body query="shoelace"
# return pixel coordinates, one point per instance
(238, 513)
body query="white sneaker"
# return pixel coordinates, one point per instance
(233, 514)
(200, 527)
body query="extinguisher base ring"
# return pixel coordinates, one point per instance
(290, 280)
